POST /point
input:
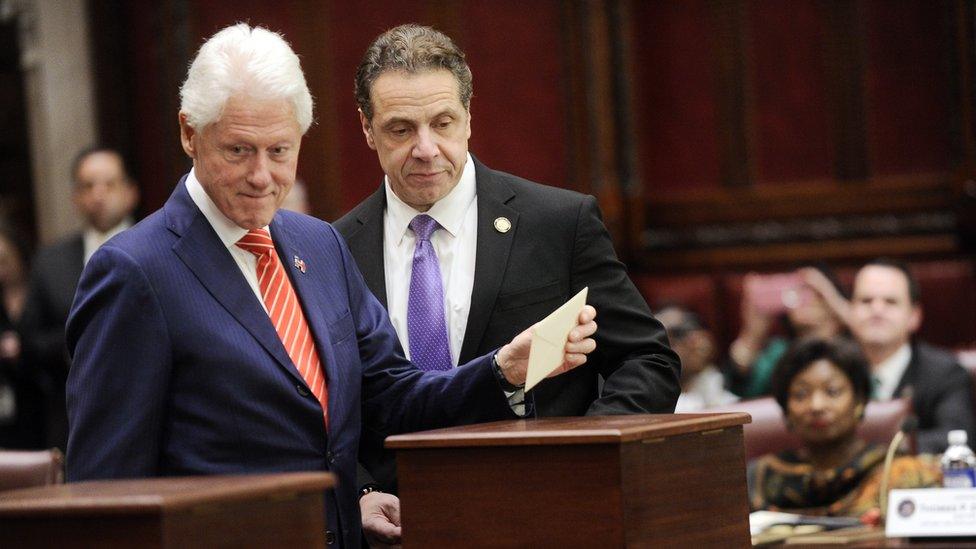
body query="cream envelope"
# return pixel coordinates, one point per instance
(549, 339)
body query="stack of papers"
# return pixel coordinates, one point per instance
(769, 526)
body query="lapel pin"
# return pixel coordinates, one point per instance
(300, 264)
(503, 225)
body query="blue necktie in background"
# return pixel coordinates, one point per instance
(426, 327)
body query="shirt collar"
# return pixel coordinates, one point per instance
(448, 212)
(889, 371)
(92, 238)
(95, 235)
(228, 231)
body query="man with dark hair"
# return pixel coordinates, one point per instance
(105, 197)
(464, 256)
(885, 313)
(224, 335)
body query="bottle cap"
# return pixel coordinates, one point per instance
(957, 437)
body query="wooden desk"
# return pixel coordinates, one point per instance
(221, 511)
(613, 481)
(861, 537)
(881, 543)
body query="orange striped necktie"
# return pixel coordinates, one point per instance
(286, 314)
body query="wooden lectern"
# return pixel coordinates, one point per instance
(280, 510)
(612, 481)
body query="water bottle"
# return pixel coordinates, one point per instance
(958, 463)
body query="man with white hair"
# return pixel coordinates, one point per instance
(223, 335)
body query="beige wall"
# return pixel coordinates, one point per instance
(60, 104)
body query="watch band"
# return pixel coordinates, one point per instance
(507, 386)
(369, 488)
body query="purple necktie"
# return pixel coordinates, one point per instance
(426, 328)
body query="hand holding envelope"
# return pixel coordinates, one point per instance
(554, 345)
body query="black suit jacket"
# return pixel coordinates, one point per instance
(556, 246)
(54, 279)
(941, 394)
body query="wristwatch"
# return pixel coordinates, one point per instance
(368, 489)
(507, 386)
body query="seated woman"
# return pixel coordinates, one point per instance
(702, 384)
(823, 387)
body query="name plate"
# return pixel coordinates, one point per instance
(931, 512)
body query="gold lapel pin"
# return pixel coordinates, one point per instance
(503, 225)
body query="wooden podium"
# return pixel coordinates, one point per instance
(612, 481)
(280, 510)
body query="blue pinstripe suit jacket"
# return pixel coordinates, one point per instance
(177, 369)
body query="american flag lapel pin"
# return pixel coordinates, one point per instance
(300, 264)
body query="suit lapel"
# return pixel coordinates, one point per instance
(308, 287)
(907, 382)
(201, 250)
(366, 244)
(491, 255)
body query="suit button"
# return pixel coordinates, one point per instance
(330, 537)
(330, 456)
(302, 390)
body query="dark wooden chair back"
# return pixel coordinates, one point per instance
(25, 469)
(768, 433)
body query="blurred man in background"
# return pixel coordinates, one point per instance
(105, 197)
(885, 314)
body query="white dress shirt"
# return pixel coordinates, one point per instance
(454, 243)
(705, 390)
(888, 373)
(92, 238)
(228, 232)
